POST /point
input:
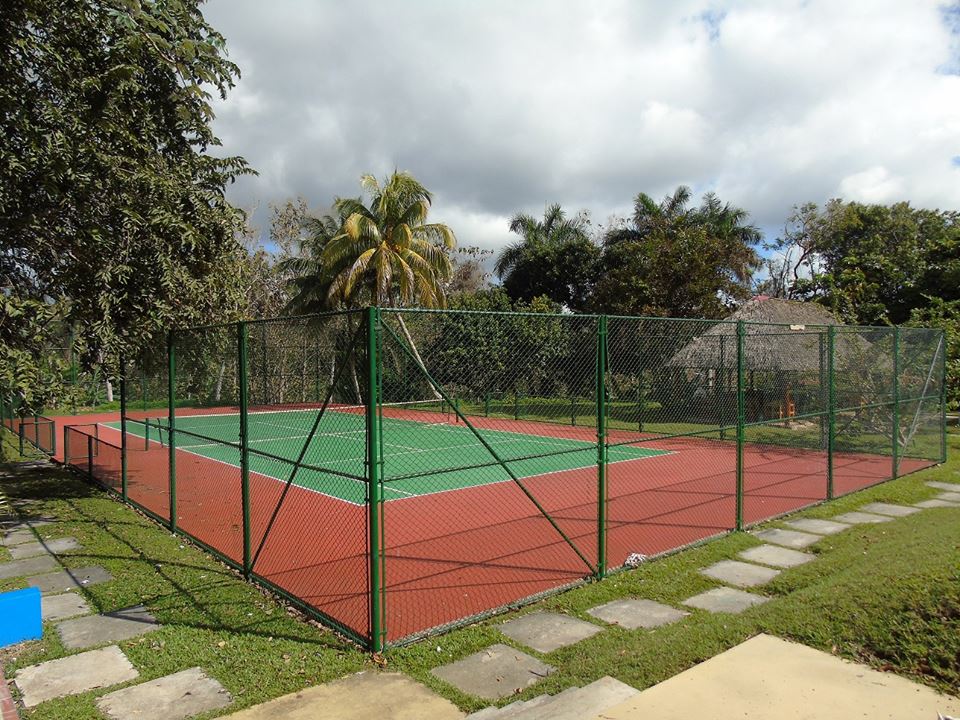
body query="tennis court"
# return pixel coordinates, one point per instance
(429, 451)
(394, 473)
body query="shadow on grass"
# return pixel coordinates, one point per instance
(31, 485)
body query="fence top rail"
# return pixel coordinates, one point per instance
(254, 321)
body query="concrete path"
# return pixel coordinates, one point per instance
(493, 673)
(364, 696)
(74, 674)
(172, 697)
(546, 632)
(766, 677)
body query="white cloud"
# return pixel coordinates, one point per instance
(500, 107)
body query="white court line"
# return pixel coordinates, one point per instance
(459, 430)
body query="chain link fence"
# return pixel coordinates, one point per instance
(397, 472)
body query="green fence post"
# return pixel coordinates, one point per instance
(20, 434)
(90, 456)
(896, 402)
(244, 444)
(602, 447)
(721, 386)
(741, 419)
(123, 428)
(486, 405)
(516, 405)
(375, 499)
(171, 422)
(943, 396)
(831, 409)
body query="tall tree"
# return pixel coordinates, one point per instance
(385, 252)
(675, 260)
(872, 264)
(554, 257)
(111, 202)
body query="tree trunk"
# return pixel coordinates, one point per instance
(415, 352)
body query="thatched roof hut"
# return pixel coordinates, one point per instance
(781, 335)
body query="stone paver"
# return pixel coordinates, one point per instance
(787, 538)
(819, 527)
(935, 503)
(949, 487)
(74, 674)
(363, 696)
(70, 579)
(16, 537)
(63, 606)
(633, 613)
(862, 518)
(879, 508)
(173, 697)
(740, 574)
(777, 556)
(546, 632)
(28, 566)
(725, 600)
(949, 496)
(30, 549)
(84, 632)
(494, 673)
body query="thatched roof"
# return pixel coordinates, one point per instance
(781, 335)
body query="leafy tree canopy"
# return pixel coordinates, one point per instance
(871, 264)
(111, 203)
(670, 259)
(554, 257)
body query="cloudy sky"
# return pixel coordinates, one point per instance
(500, 106)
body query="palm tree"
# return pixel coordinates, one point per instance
(382, 252)
(385, 252)
(553, 257)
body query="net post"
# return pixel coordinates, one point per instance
(896, 403)
(244, 444)
(741, 419)
(171, 422)
(374, 496)
(123, 428)
(601, 447)
(943, 396)
(832, 408)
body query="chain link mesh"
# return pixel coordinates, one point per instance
(401, 471)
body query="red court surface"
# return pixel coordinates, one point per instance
(457, 554)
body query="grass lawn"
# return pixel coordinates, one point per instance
(886, 594)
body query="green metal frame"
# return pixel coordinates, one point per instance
(375, 482)
(372, 330)
(123, 428)
(832, 408)
(172, 422)
(601, 448)
(244, 444)
(896, 404)
(741, 419)
(943, 397)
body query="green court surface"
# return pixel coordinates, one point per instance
(421, 456)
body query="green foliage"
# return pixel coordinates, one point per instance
(29, 375)
(872, 264)
(677, 261)
(946, 316)
(555, 258)
(111, 203)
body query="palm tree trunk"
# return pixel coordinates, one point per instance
(415, 352)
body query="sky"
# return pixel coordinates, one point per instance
(506, 106)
